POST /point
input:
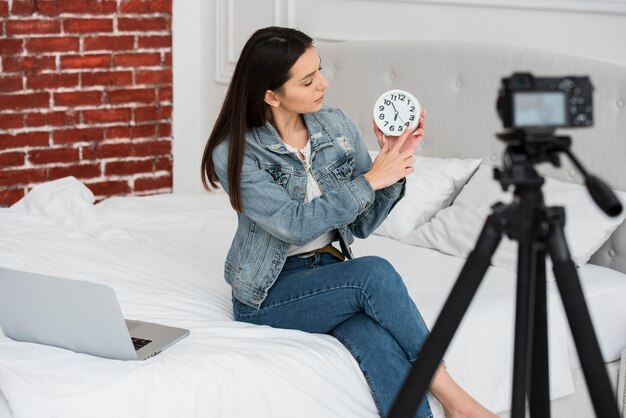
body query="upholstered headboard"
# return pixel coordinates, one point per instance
(457, 84)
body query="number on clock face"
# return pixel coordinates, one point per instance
(395, 111)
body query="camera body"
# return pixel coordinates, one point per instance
(544, 103)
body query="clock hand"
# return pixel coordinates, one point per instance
(397, 113)
(395, 117)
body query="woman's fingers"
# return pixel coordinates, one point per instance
(402, 139)
(421, 125)
(410, 160)
(390, 167)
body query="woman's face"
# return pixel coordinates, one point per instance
(304, 91)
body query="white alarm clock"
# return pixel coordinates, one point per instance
(395, 111)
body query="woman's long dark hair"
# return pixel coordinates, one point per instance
(263, 65)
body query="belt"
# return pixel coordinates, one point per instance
(329, 249)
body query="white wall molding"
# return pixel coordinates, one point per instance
(222, 75)
(192, 122)
(232, 54)
(226, 19)
(533, 24)
(306, 15)
(586, 6)
(283, 12)
(186, 44)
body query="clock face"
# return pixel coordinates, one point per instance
(395, 111)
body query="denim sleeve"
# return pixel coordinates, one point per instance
(271, 207)
(385, 199)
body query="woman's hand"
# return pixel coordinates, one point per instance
(394, 162)
(411, 143)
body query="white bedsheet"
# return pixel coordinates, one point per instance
(605, 293)
(163, 255)
(165, 266)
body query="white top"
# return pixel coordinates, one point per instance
(312, 191)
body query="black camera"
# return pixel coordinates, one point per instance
(542, 103)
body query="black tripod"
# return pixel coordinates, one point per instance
(538, 230)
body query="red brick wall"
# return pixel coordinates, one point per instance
(86, 90)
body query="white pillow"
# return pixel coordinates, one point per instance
(454, 230)
(433, 186)
(68, 203)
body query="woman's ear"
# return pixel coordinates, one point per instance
(271, 98)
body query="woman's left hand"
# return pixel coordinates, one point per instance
(414, 137)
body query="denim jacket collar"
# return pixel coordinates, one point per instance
(319, 135)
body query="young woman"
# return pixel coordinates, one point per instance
(300, 178)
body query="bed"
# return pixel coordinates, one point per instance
(163, 255)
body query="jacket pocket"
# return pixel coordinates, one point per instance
(279, 175)
(343, 169)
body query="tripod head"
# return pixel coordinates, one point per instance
(527, 147)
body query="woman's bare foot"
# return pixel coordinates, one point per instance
(455, 401)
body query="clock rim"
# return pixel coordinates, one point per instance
(388, 92)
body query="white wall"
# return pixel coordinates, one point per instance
(208, 35)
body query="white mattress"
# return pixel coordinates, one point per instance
(163, 255)
(491, 314)
(605, 293)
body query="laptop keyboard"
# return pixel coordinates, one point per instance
(138, 342)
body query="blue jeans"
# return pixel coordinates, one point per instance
(363, 303)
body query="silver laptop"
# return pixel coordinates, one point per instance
(77, 315)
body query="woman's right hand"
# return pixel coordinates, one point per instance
(392, 164)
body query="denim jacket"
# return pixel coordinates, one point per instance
(273, 189)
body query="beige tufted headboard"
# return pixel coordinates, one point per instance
(457, 84)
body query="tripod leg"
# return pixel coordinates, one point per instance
(539, 390)
(597, 379)
(523, 335)
(421, 373)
